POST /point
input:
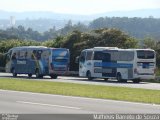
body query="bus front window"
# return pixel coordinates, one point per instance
(60, 55)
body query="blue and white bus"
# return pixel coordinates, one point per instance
(38, 60)
(122, 64)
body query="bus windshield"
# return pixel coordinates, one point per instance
(60, 55)
(143, 54)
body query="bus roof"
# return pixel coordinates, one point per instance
(147, 49)
(115, 48)
(36, 48)
(104, 48)
(31, 47)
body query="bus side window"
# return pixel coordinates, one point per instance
(45, 55)
(98, 55)
(38, 55)
(22, 54)
(34, 55)
(26, 55)
(29, 54)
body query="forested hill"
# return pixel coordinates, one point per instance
(137, 27)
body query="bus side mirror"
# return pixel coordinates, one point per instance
(77, 60)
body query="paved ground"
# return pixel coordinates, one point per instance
(26, 102)
(58, 107)
(144, 85)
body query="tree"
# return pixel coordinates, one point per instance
(136, 27)
(149, 43)
(77, 41)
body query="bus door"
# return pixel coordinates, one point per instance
(20, 63)
(82, 64)
(8, 61)
(45, 60)
(109, 65)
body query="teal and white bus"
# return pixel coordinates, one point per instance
(38, 60)
(122, 64)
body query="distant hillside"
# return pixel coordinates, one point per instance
(135, 13)
(137, 23)
(40, 25)
(136, 27)
(42, 15)
(59, 16)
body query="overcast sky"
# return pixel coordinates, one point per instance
(83, 7)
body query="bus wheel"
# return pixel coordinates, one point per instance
(89, 75)
(136, 80)
(124, 80)
(54, 76)
(119, 77)
(106, 79)
(14, 73)
(29, 75)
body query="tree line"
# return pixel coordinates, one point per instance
(29, 34)
(76, 41)
(135, 27)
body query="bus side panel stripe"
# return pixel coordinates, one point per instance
(113, 65)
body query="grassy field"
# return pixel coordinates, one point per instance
(92, 91)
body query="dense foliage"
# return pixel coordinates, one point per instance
(137, 27)
(5, 45)
(29, 34)
(77, 41)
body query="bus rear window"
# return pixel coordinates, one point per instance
(143, 54)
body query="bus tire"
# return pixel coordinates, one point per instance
(124, 80)
(119, 77)
(14, 73)
(89, 75)
(106, 79)
(30, 75)
(136, 80)
(54, 76)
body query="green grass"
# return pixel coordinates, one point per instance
(92, 91)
